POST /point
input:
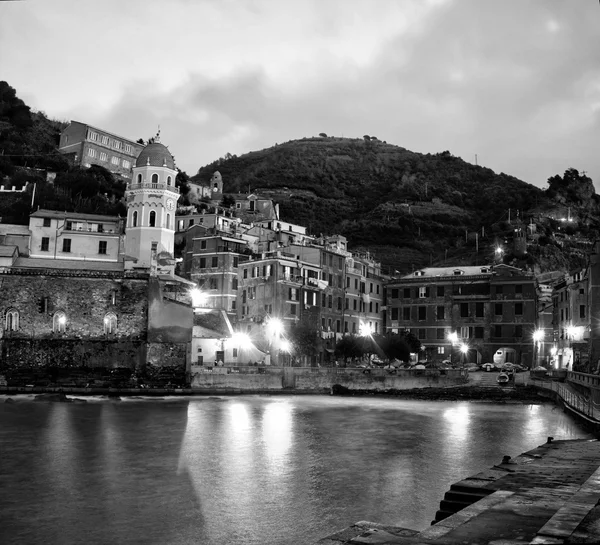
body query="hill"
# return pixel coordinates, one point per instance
(410, 209)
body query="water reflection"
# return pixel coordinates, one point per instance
(245, 470)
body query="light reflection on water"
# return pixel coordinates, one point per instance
(248, 469)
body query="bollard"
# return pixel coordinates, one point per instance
(550, 439)
(505, 459)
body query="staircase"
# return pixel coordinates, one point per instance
(484, 379)
(458, 497)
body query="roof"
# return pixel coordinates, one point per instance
(104, 131)
(72, 215)
(66, 264)
(156, 155)
(451, 271)
(8, 250)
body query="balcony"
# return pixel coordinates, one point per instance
(150, 185)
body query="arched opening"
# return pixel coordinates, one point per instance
(168, 221)
(168, 180)
(155, 178)
(11, 320)
(110, 323)
(59, 322)
(139, 178)
(152, 222)
(134, 217)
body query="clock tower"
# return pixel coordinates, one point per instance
(151, 205)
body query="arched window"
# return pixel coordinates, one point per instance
(155, 178)
(168, 180)
(134, 219)
(59, 322)
(110, 323)
(11, 320)
(168, 221)
(139, 178)
(152, 219)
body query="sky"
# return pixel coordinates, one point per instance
(515, 83)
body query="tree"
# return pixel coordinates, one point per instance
(322, 135)
(349, 346)
(227, 202)
(305, 340)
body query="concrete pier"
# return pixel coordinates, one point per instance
(549, 495)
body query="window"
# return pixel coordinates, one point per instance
(440, 350)
(293, 309)
(202, 264)
(11, 320)
(518, 288)
(126, 163)
(245, 275)
(440, 291)
(464, 310)
(498, 309)
(422, 313)
(499, 290)
(91, 152)
(497, 331)
(45, 244)
(168, 180)
(236, 261)
(128, 148)
(406, 313)
(155, 178)
(441, 313)
(234, 284)
(116, 144)
(479, 332)
(581, 291)
(293, 294)
(46, 222)
(139, 178)
(370, 306)
(59, 322)
(102, 247)
(105, 140)
(93, 136)
(422, 333)
(406, 293)
(329, 301)
(370, 287)
(110, 323)
(440, 333)
(214, 261)
(114, 160)
(134, 219)
(103, 156)
(152, 222)
(582, 311)
(479, 308)
(66, 245)
(394, 313)
(423, 292)
(339, 305)
(518, 330)
(518, 309)
(354, 305)
(394, 293)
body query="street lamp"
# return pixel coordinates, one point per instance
(274, 331)
(199, 297)
(453, 338)
(464, 348)
(538, 337)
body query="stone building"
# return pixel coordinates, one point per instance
(85, 145)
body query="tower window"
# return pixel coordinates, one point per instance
(168, 180)
(59, 322)
(155, 178)
(168, 221)
(139, 178)
(110, 323)
(11, 322)
(152, 222)
(134, 219)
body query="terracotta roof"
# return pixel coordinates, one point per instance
(72, 216)
(7, 250)
(157, 154)
(66, 264)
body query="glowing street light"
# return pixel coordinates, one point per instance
(274, 327)
(365, 330)
(199, 297)
(453, 338)
(538, 338)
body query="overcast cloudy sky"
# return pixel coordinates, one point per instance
(516, 82)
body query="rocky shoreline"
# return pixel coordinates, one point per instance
(526, 394)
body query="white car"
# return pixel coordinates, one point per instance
(488, 367)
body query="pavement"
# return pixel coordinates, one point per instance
(547, 496)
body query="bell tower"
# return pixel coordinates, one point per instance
(216, 187)
(151, 205)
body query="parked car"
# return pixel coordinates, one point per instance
(471, 367)
(488, 367)
(512, 368)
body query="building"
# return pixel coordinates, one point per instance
(74, 236)
(85, 145)
(466, 314)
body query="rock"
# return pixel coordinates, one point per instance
(339, 390)
(59, 397)
(9, 400)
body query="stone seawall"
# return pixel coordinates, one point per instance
(318, 380)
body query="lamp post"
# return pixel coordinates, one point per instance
(464, 349)
(274, 330)
(453, 338)
(538, 337)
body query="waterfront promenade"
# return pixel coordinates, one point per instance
(549, 495)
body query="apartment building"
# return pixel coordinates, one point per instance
(465, 314)
(85, 145)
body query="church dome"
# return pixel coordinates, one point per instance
(156, 155)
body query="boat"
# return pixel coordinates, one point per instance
(503, 378)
